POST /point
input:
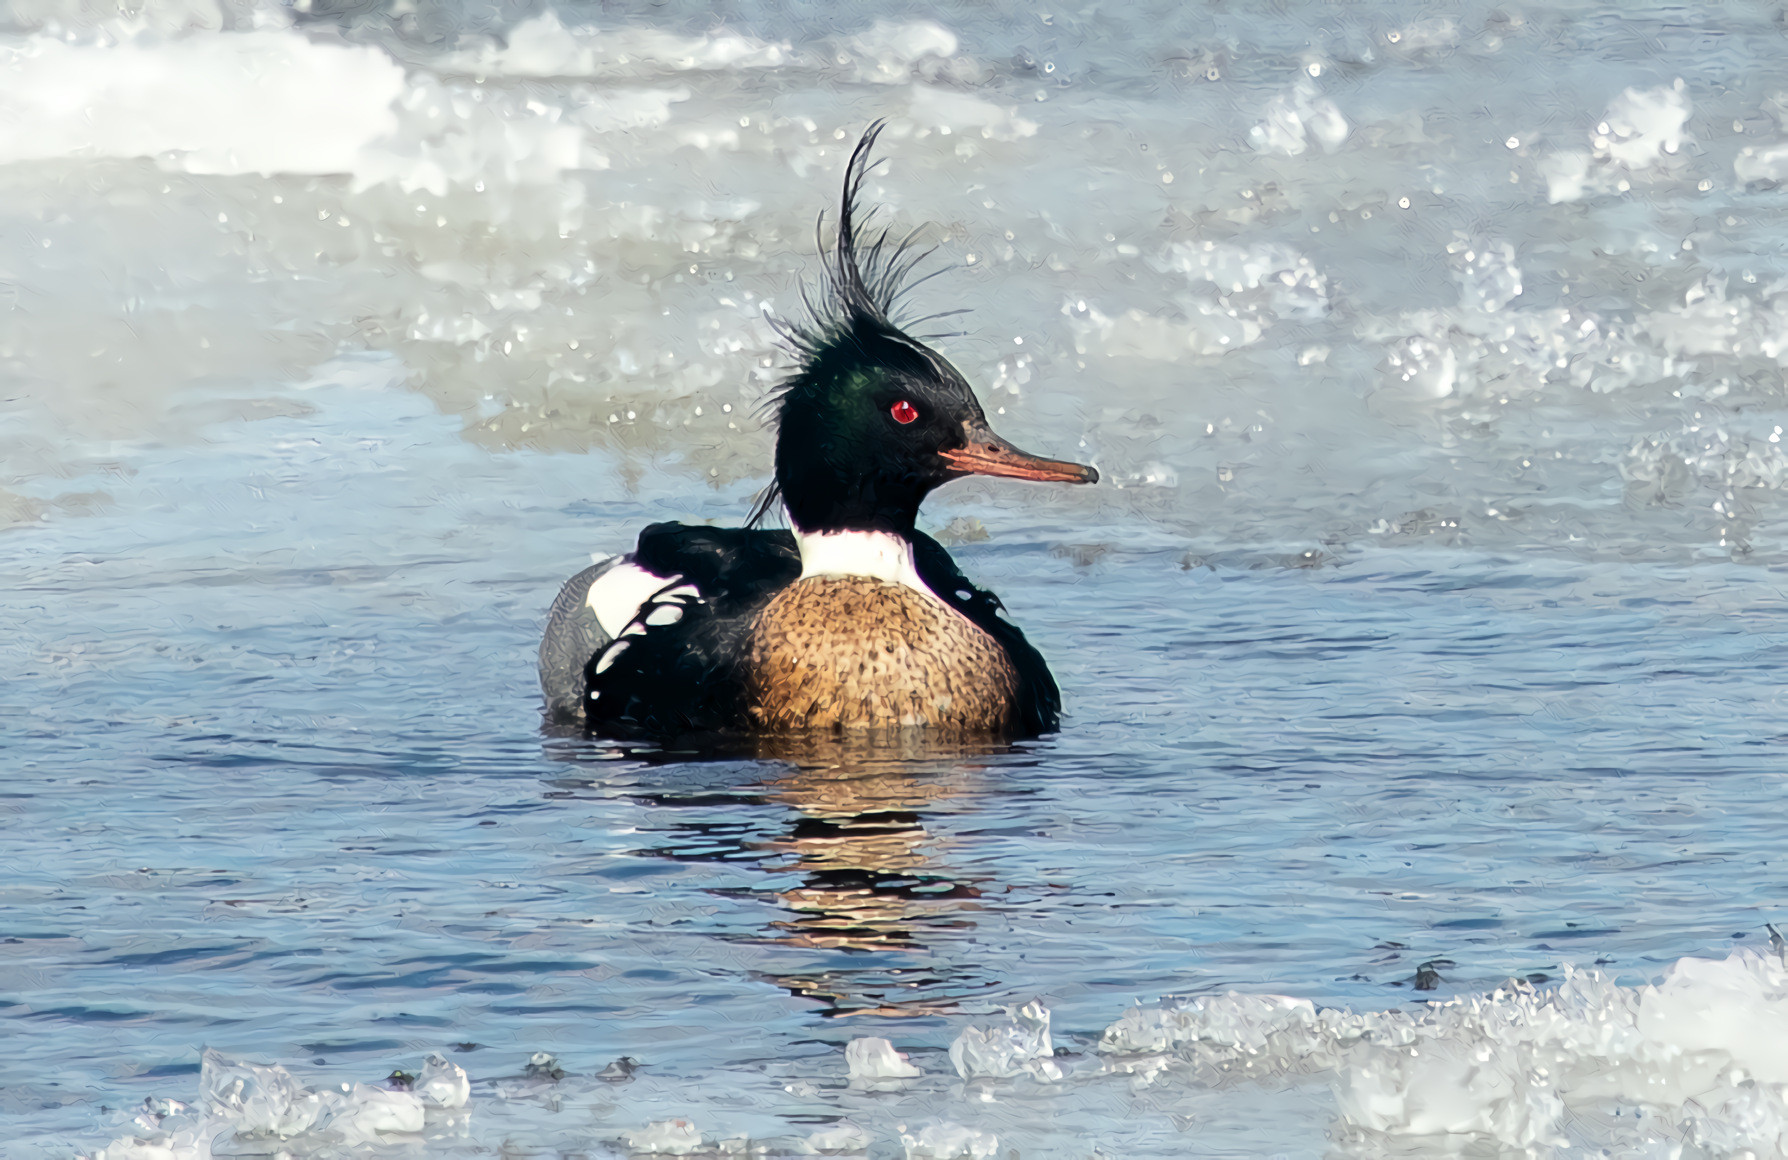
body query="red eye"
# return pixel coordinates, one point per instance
(903, 412)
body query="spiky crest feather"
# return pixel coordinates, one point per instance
(859, 291)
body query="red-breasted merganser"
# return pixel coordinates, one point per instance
(851, 618)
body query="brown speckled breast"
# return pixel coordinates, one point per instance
(841, 652)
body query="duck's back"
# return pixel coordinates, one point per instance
(843, 652)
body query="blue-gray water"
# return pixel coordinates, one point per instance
(1431, 615)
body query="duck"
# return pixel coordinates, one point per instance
(850, 618)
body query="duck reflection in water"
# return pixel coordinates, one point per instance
(874, 882)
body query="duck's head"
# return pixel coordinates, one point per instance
(873, 419)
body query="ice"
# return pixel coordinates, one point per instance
(875, 1059)
(1644, 126)
(1021, 1046)
(186, 1146)
(1488, 277)
(266, 101)
(1643, 129)
(442, 1083)
(1288, 285)
(1707, 1045)
(950, 1141)
(1761, 163)
(666, 1138)
(365, 1113)
(257, 1098)
(1206, 328)
(1295, 118)
(840, 1137)
(542, 46)
(1438, 32)
(250, 1101)
(941, 108)
(888, 51)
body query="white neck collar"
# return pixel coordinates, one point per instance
(883, 555)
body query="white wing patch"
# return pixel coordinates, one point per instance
(609, 655)
(618, 594)
(663, 614)
(660, 601)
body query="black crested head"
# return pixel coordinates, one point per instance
(873, 419)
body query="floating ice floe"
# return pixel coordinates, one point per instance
(442, 1083)
(1486, 272)
(1643, 129)
(1288, 283)
(1021, 1046)
(262, 101)
(873, 1061)
(886, 52)
(1761, 163)
(1706, 1049)
(252, 1104)
(543, 46)
(1235, 294)
(965, 113)
(666, 1138)
(841, 1137)
(950, 1141)
(1297, 117)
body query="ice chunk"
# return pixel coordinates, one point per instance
(442, 1083)
(1643, 129)
(948, 1141)
(1232, 1022)
(366, 1112)
(666, 1138)
(182, 1146)
(875, 1059)
(543, 47)
(256, 1098)
(1736, 1006)
(1296, 117)
(1267, 282)
(1440, 32)
(1020, 1047)
(962, 111)
(1209, 328)
(1567, 175)
(1644, 125)
(1708, 1045)
(843, 1136)
(1488, 277)
(1768, 163)
(268, 101)
(887, 51)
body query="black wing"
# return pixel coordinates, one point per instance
(675, 668)
(1039, 701)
